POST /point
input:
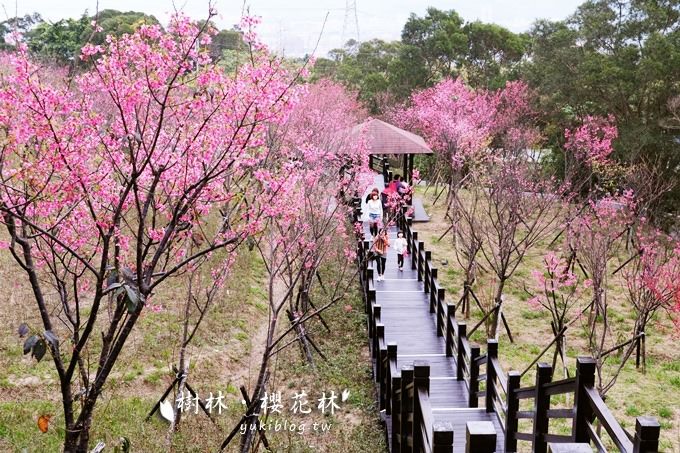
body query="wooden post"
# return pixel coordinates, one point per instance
(460, 357)
(473, 385)
(406, 404)
(442, 437)
(421, 381)
(381, 366)
(391, 355)
(410, 171)
(491, 353)
(368, 278)
(374, 315)
(511, 421)
(450, 319)
(541, 406)
(427, 270)
(396, 413)
(414, 251)
(421, 248)
(440, 311)
(386, 171)
(583, 412)
(379, 331)
(432, 287)
(480, 437)
(404, 173)
(370, 300)
(646, 439)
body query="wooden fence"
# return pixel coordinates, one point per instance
(404, 393)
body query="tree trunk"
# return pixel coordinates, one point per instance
(76, 439)
(496, 316)
(248, 437)
(466, 301)
(183, 368)
(301, 334)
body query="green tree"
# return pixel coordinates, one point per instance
(62, 40)
(366, 68)
(439, 43)
(619, 57)
(493, 54)
(22, 25)
(226, 40)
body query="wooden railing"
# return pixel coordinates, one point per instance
(381, 165)
(404, 393)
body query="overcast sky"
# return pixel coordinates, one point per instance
(294, 26)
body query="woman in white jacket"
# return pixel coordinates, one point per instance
(375, 213)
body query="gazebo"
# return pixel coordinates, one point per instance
(386, 139)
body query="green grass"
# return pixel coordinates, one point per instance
(655, 393)
(219, 361)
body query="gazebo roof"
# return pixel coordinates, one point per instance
(384, 138)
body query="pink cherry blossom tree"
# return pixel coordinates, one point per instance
(653, 283)
(521, 207)
(456, 121)
(596, 234)
(588, 147)
(592, 142)
(468, 129)
(311, 164)
(106, 178)
(560, 294)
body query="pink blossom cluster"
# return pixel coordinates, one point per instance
(557, 282)
(465, 123)
(312, 161)
(655, 279)
(592, 141)
(137, 153)
(452, 117)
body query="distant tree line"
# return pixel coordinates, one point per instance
(60, 42)
(609, 57)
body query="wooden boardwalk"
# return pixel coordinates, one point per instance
(439, 392)
(412, 328)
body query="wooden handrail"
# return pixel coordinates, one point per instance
(502, 394)
(559, 387)
(427, 419)
(608, 422)
(500, 375)
(525, 392)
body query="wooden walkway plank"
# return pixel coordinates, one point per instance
(405, 314)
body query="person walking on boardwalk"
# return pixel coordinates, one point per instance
(405, 190)
(375, 190)
(380, 246)
(400, 248)
(375, 213)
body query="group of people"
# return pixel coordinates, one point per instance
(381, 244)
(376, 203)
